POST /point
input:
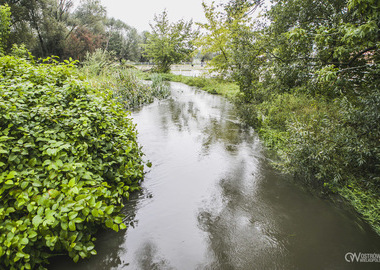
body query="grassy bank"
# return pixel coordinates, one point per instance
(212, 85)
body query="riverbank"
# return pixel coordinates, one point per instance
(306, 134)
(217, 86)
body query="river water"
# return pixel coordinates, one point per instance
(212, 201)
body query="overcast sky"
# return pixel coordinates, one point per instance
(138, 13)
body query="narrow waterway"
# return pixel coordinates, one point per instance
(212, 201)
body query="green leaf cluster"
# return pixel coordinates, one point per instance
(169, 43)
(218, 33)
(5, 24)
(68, 157)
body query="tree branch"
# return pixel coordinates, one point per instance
(360, 54)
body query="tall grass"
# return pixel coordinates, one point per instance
(161, 88)
(103, 72)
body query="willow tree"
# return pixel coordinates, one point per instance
(169, 43)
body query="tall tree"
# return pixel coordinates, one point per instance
(5, 17)
(88, 30)
(92, 15)
(216, 38)
(169, 43)
(224, 21)
(40, 24)
(123, 40)
(80, 42)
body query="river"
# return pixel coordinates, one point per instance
(212, 201)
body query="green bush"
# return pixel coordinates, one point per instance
(331, 145)
(68, 157)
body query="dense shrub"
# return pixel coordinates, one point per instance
(68, 157)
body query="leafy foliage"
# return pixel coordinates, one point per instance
(218, 34)
(5, 23)
(168, 43)
(160, 87)
(54, 27)
(308, 73)
(80, 42)
(68, 157)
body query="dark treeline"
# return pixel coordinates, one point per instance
(56, 27)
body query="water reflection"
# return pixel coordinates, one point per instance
(211, 201)
(149, 259)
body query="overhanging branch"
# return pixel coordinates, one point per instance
(360, 54)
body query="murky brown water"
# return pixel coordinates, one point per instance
(211, 201)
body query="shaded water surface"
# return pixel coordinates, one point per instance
(211, 201)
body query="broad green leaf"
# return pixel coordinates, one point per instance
(11, 175)
(64, 226)
(53, 193)
(37, 220)
(32, 234)
(24, 241)
(72, 225)
(9, 182)
(115, 227)
(72, 215)
(118, 220)
(109, 209)
(95, 212)
(109, 223)
(71, 182)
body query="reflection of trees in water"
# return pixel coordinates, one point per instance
(230, 134)
(108, 244)
(277, 225)
(147, 258)
(241, 230)
(185, 115)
